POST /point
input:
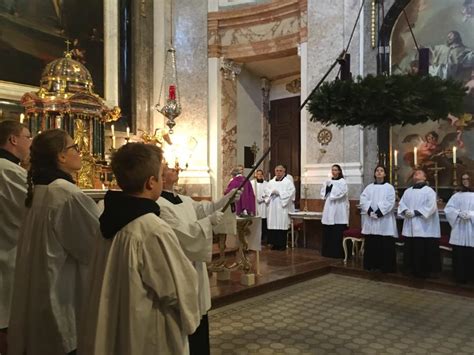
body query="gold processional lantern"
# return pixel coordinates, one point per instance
(66, 100)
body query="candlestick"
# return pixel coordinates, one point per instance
(455, 175)
(22, 118)
(113, 142)
(112, 129)
(128, 132)
(305, 189)
(415, 161)
(395, 158)
(454, 155)
(395, 176)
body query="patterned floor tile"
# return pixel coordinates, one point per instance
(336, 314)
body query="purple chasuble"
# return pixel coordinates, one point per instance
(247, 199)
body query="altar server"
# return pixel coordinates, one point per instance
(245, 205)
(335, 213)
(259, 185)
(460, 215)
(54, 249)
(193, 224)
(15, 141)
(144, 296)
(278, 194)
(379, 226)
(418, 208)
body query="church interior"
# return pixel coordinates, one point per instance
(305, 85)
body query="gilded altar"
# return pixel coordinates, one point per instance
(66, 100)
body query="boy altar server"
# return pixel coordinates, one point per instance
(418, 208)
(193, 224)
(144, 294)
(15, 141)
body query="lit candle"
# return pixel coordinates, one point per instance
(112, 128)
(113, 142)
(128, 132)
(454, 154)
(415, 151)
(22, 118)
(172, 92)
(58, 122)
(395, 158)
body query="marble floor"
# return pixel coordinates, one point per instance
(336, 314)
(283, 268)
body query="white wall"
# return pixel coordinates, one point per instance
(278, 89)
(249, 115)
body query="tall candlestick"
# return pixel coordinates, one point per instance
(415, 161)
(395, 158)
(22, 118)
(113, 142)
(112, 129)
(454, 154)
(128, 132)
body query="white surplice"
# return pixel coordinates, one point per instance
(55, 246)
(12, 206)
(462, 230)
(379, 197)
(190, 221)
(424, 201)
(144, 294)
(336, 206)
(279, 205)
(259, 189)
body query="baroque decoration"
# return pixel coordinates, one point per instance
(381, 101)
(66, 100)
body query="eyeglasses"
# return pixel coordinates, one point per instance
(466, 178)
(29, 137)
(74, 146)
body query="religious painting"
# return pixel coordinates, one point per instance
(446, 27)
(34, 32)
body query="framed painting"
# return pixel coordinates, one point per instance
(34, 32)
(446, 28)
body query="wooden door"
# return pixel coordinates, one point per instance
(285, 137)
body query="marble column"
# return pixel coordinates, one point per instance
(142, 61)
(229, 71)
(329, 30)
(266, 84)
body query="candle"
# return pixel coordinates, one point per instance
(172, 92)
(112, 128)
(22, 118)
(128, 132)
(395, 158)
(415, 151)
(58, 122)
(454, 154)
(113, 142)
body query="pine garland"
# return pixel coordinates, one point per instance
(377, 101)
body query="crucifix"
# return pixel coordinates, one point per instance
(68, 43)
(436, 169)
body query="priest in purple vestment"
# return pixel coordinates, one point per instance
(246, 203)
